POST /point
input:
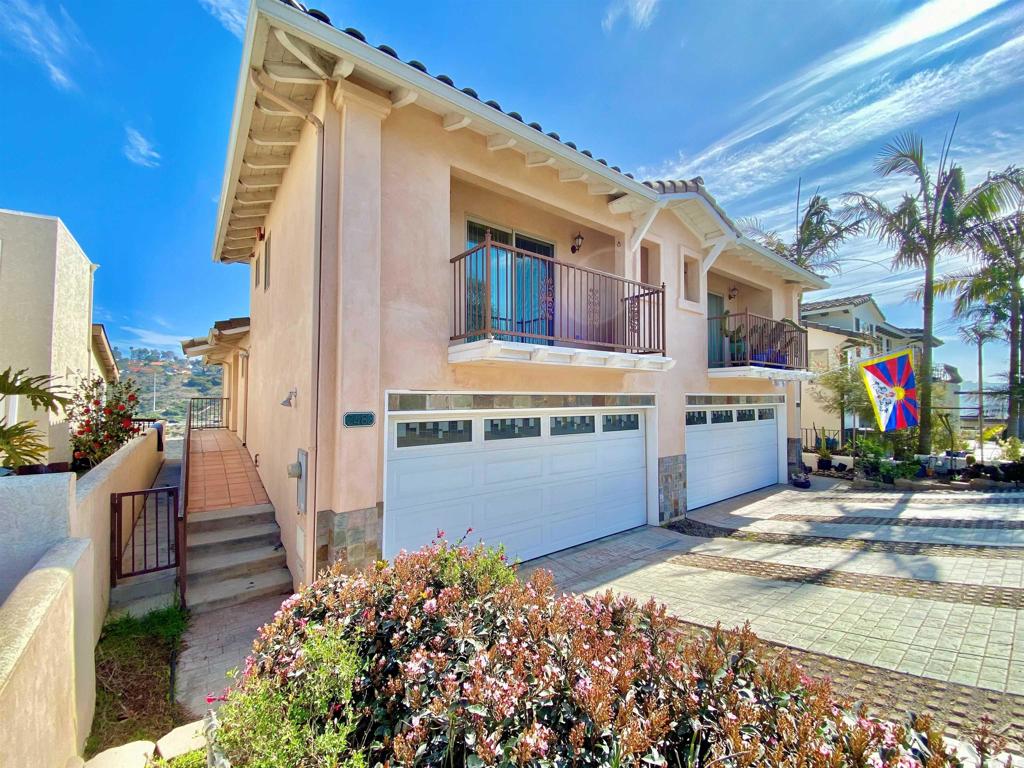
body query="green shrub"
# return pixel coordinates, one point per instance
(1012, 449)
(461, 664)
(307, 722)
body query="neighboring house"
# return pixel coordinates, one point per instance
(46, 284)
(477, 325)
(227, 345)
(846, 329)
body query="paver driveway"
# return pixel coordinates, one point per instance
(921, 593)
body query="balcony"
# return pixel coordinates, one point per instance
(745, 345)
(516, 306)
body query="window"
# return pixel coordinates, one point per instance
(765, 413)
(721, 417)
(694, 418)
(856, 323)
(504, 429)
(650, 264)
(621, 422)
(256, 272)
(691, 276)
(745, 414)
(418, 433)
(266, 264)
(571, 425)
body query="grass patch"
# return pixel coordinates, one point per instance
(134, 699)
(194, 759)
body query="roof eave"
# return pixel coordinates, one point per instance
(800, 275)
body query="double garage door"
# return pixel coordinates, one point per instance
(535, 481)
(730, 450)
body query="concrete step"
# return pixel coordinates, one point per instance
(141, 606)
(220, 565)
(220, 541)
(140, 587)
(236, 517)
(211, 595)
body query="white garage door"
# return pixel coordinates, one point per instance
(729, 450)
(536, 482)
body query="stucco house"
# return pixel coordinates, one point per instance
(227, 344)
(846, 329)
(459, 320)
(46, 286)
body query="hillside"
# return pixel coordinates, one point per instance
(167, 382)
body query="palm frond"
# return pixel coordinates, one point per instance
(40, 391)
(905, 155)
(21, 444)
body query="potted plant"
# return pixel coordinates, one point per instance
(824, 457)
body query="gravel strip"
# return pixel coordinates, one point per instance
(929, 522)
(972, 594)
(707, 531)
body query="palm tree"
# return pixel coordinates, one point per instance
(20, 442)
(931, 220)
(992, 287)
(979, 333)
(816, 242)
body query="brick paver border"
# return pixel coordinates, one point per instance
(930, 522)
(708, 531)
(971, 594)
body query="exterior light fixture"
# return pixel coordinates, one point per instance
(290, 400)
(577, 242)
(733, 291)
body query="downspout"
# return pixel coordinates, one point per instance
(265, 89)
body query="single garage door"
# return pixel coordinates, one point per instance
(534, 481)
(729, 451)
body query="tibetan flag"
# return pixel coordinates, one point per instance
(892, 389)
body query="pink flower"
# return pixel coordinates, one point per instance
(440, 534)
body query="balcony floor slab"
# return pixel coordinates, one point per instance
(761, 372)
(497, 351)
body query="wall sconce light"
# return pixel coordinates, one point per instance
(733, 292)
(290, 400)
(577, 242)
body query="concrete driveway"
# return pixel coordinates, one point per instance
(909, 600)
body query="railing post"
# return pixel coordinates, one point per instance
(488, 329)
(661, 331)
(115, 527)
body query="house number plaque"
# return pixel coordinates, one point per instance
(359, 419)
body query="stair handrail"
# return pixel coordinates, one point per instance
(180, 541)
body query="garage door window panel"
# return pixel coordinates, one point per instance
(721, 417)
(417, 434)
(571, 425)
(765, 413)
(620, 422)
(510, 429)
(696, 418)
(745, 414)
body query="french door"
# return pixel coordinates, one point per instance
(521, 289)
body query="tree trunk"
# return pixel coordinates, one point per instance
(981, 403)
(1013, 422)
(924, 376)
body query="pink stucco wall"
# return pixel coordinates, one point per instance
(398, 190)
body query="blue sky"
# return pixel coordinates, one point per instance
(123, 111)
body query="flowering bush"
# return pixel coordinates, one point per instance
(101, 419)
(462, 664)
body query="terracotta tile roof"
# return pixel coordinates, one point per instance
(842, 301)
(231, 323)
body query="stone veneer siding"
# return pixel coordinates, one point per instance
(671, 488)
(794, 455)
(353, 537)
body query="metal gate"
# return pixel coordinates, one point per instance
(145, 532)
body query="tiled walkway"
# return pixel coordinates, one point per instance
(221, 474)
(216, 643)
(938, 612)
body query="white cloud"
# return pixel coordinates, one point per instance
(931, 19)
(52, 40)
(639, 12)
(149, 338)
(230, 13)
(849, 122)
(139, 150)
